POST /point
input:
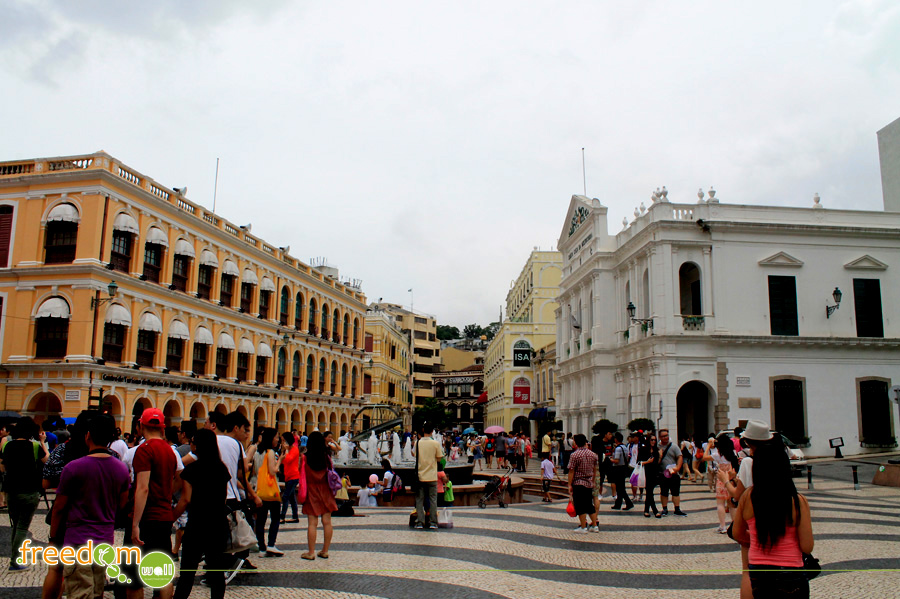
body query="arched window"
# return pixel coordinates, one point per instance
(51, 329)
(323, 372)
(353, 382)
(124, 230)
(336, 327)
(334, 376)
(645, 284)
(285, 306)
(310, 373)
(61, 234)
(154, 251)
(282, 366)
(298, 312)
(117, 320)
(6, 218)
(356, 333)
(344, 380)
(689, 289)
(346, 329)
(312, 317)
(295, 373)
(325, 321)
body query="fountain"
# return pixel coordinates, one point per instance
(372, 450)
(346, 450)
(407, 451)
(395, 451)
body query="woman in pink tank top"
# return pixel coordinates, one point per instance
(775, 521)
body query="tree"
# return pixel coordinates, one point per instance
(431, 411)
(446, 332)
(491, 330)
(642, 424)
(601, 427)
(472, 331)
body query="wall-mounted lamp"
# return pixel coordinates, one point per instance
(631, 310)
(111, 289)
(837, 295)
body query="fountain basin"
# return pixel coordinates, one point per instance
(459, 474)
(463, 494)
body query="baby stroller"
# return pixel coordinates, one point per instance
(495, 488)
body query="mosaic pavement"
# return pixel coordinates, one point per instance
(531, 550)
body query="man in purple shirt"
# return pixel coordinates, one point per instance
(90, 491)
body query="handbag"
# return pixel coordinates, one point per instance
(642, 477)
(302, 487)
(241, 536)
(334, 479)
(570, 509)
(445, 518)
(266, 484)
(448, 493)
(811, 566)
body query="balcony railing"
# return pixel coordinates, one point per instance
(693, 323)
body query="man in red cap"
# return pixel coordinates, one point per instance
(154, 474)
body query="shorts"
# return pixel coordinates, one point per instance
(84, 582)
(545, 485)
(582, 500)
(721, 491)
(157, 536)
(672, 484)
(501, 455)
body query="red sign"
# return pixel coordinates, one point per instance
(522, 395)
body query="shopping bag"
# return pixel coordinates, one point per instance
(642, 477)
(570, 509)
(241, 536)
(302, 488)
(445, 518)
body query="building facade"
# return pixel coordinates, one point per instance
(510, 377)
(386, 377)
(732, 317)
(459, 392)
(119, 293)
(426, 349)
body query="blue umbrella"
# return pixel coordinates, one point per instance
(469, 431)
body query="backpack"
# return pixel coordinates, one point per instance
(395, 488)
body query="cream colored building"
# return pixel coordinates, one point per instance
(426, 349)
(386, 376)
(203, 316)
(510, 378)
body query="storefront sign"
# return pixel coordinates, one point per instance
(521, 354)
(73, 395)
(522, 391)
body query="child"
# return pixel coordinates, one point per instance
(368, 495)
(548, 472)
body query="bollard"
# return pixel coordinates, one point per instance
(809, 482)
(856, 486)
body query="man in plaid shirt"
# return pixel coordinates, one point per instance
(582, 464)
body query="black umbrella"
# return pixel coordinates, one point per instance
(9, 414)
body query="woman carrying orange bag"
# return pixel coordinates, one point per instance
(268, 490)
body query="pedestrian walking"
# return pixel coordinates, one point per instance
(722, 457)
(548, 473)
(490, 446)
(320, 500)
(23, 460)
(582, 465)
(291, 462)
(268, 490)
(648, 456)
(567, 448)
(501, 450)
(620, 460)
(427, 455)
(205, 490)
(671, 462)
(554, 451)
(774, 519)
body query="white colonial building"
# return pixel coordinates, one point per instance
(732, 320)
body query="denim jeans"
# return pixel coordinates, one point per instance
(21, 510)
(269, 508)
(289, 495)
(429, 488)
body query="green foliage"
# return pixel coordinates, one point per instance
(472, 331)
(641, 424)
(445, 332)
(491, 330)
(601, 427)
(431, 411)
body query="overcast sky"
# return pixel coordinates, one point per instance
(432, 145)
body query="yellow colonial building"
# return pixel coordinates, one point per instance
(119, 293)
(426, 349)
(386, 376)
(511, 380)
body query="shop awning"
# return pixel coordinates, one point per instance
(267, 285)
(246, 346)
(63, 212)
(226, 341)
(184, 248)
(204, 337)
(249, 277)
(264, 350)
(157, 236)
(118, 314)
(207, 258)
(150, 322)
(125, 222)
(482, 398)
(230, 268)
(537, 414)
(54, 307)
(179, 330)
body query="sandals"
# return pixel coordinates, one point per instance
(323, 554)
(308, 556)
